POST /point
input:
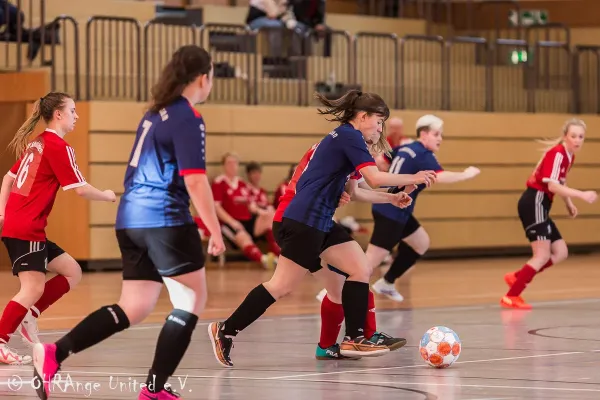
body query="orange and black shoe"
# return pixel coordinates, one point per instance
(514, 302)
(362, 347)
(221, 344)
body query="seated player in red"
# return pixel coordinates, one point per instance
(235, 211)
(280, 191)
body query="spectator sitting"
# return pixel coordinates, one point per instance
(272, 15)
(258, 195)
(310, 15)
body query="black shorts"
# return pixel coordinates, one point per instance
(534, 212)
(387, 233)
(31, 256)
(304, 244)
(148, 254)
(248, 225)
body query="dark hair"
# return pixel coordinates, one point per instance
(42, 109)
(253, 166)
(186, 64)
(354, 101)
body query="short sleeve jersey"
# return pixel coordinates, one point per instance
(168, 145)
(258, 196)
(233, 196)
(323, 179)
(48, 164)
(553, 167)
(408, 159)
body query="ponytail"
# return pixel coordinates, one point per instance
(18, 144)
(550, 143)
(354, 101)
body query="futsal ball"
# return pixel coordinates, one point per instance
(440, 347)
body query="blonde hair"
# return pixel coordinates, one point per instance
(229, 154)
(550, 143)
(382, 145)
(42, 109)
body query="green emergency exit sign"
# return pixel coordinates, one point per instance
(528, 17)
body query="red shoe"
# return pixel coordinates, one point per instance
(510, 278)
(514, 302)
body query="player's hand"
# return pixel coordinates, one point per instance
(344, 199)
(402, 200)
(426, 177)
(472, 172)
(216, 246)
(110, 196)
(589, 196)
(408, 189)
(572, 209)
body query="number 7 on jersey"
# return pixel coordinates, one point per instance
(146, 125)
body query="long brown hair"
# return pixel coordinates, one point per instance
(186, 64)
(42, 109)
(344, 110)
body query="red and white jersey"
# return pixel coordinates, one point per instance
(553, 167)
(258, 196)
(280, 191)
(47, 164)
(290, 189)
(233, 196)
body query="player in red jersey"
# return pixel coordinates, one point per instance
(26, 199)
(258, 195)
(547, 180)
(280, 191)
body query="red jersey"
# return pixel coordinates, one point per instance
(553, 167)
(47, 164)
(258, 195)
(278, 193)
(233, 196)
(290, 189)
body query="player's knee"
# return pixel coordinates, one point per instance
(29, 295)
(560, 253)
(135, 312)
(119, 316)
(74, 277)
(278, 289)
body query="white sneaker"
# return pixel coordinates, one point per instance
(268, 261)
(11, 357)
(321, 295)
(387, 289)
(29, 330)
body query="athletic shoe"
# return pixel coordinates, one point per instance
(45, 367)
(11, 357)
(331, 353)
(268, 261)
(361, 347)
(29, 330)
(390, 342)
(387, 289)
(165, 394)
(220, 343)
(514, 302)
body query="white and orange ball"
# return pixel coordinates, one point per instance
(440, 347)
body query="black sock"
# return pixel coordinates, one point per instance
(96, 327)
(405, 259)
(355, 300)
(173, 341)
(253, 306)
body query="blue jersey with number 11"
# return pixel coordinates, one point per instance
(168, 146)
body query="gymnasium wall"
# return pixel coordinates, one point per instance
(476, 214)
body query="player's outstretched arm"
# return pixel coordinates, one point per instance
(589, 196)
(89, 192)
(453, 177)
(376, 178)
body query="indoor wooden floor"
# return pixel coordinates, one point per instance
(547, 353)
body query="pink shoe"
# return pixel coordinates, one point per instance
(45, 367)
(165, 394)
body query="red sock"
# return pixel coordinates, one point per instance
(253, 253)
(547, 265)
(332, 316)
(370, 322)
(273, 246)
(524, 276)
(55, 288)
(11, 318)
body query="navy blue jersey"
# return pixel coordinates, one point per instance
(408, 159)
(342, 152)
(168, 146)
